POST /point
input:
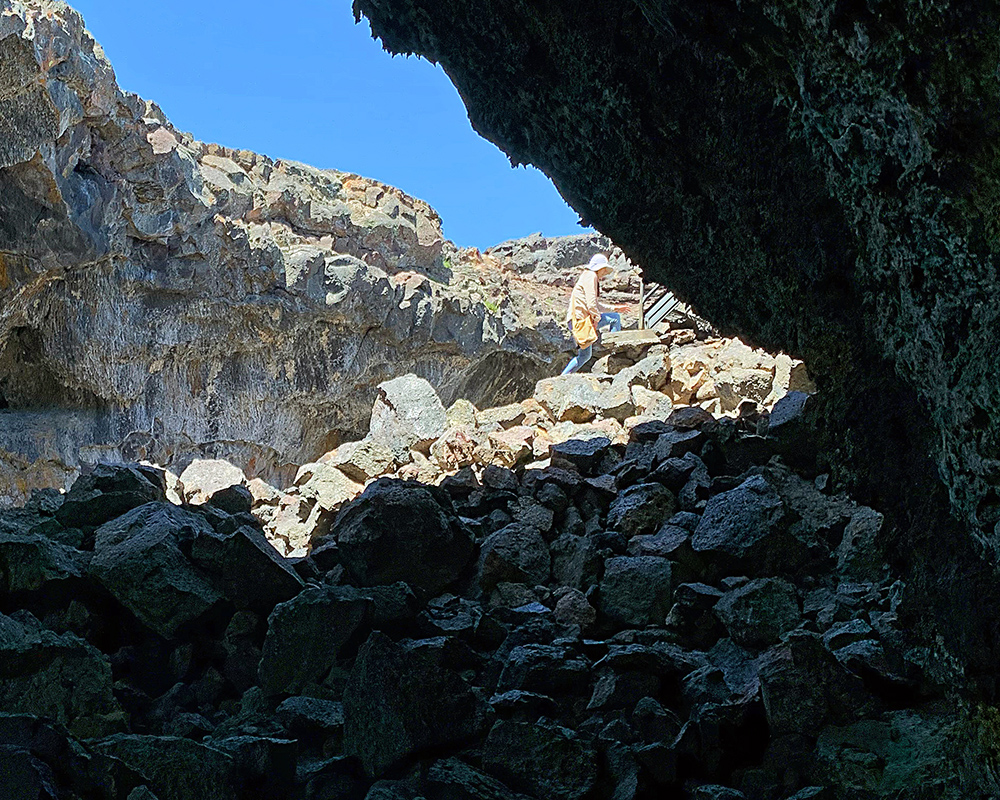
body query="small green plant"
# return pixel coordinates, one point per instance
(492, 305)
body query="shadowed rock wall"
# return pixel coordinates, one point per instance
(819, 177)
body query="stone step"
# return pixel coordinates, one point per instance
(634, 341)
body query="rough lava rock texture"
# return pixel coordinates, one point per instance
(166, 299)
(821, 178)
(572, 663)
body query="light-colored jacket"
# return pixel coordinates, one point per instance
(585, 299)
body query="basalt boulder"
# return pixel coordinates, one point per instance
(541, 759)
(139, 559)
(757, 613)
(107, 492)
(305, 635)
(516, 553)
(246, 567)
(403, 532)
(174, 766)
(747, 526)
(31, 562)
(636, 590)
(56, 676)
(405, 697)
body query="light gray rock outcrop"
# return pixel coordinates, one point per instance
(166, 299)
(407, 414)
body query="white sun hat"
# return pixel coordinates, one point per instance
(599, 262)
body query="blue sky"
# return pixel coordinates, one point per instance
(300, 80)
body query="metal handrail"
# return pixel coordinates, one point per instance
(656, 302)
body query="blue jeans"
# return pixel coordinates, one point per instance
(614, 322)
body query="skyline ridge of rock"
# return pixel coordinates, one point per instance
(166, 299)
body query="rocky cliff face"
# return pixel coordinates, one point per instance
(821, 177)
(164, 299)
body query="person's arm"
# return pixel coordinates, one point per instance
(603, 309)
(589, 282)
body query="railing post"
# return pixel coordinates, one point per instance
(642, 303)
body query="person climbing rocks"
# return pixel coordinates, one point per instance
(587, 314)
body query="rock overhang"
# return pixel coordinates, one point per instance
(820, 178)
(814, 177)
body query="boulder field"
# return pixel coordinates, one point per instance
(603, 592)
(670, 613)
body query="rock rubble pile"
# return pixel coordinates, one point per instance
(662, 610)
(676, 615)
(638, 376)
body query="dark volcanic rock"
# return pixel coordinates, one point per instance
(745, 525)
(716, 792)
(574, 608)
(138, 558)
(405, 697)
(456, 780)
(757, 613)
(516, 553)
(108, 492)
(861, 553)
(541, 759)
(898, 754)
(636, 590)
(40, 759)
(30, 562)
(583, 455)
(307, 714)
(399, 532)
(804, 687)
(60, 677)
(691, 615)
(544, 669)
(174, 767)
(233, 499)
(305, 634)
(250, 571)
(641, 509)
